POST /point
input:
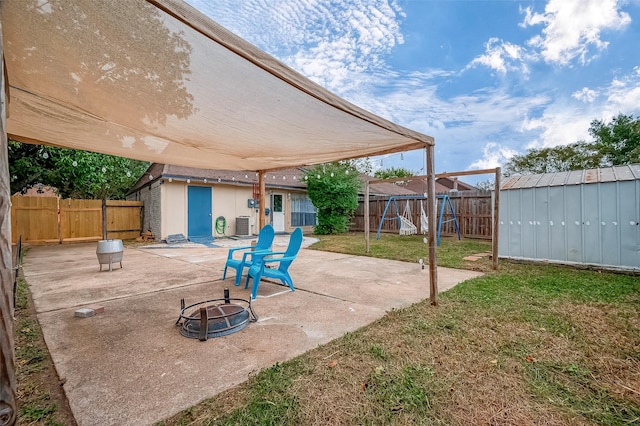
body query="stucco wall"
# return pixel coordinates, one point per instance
(174, 208)
(231, 202)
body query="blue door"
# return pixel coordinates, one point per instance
(199, 211)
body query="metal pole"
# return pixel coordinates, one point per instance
(366, 216)
(431, 218)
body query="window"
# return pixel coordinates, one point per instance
(303, 213)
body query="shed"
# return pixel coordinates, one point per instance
(583, 217)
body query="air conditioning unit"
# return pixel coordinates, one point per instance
(243, 226)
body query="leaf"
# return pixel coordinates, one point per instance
(333, 363)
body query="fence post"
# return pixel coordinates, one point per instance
(431, 217)
(104, 219)
(496, 220)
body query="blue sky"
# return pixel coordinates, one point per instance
(487, 79)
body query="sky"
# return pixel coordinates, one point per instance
(488, 79)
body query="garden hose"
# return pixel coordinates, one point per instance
(221, 225)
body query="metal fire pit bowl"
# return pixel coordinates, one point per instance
(215, 317)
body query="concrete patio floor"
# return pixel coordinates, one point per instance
(130, 366)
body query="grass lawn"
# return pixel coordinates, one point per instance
(524, 345)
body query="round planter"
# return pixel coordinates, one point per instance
(109, 252)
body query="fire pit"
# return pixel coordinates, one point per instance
(215, 317)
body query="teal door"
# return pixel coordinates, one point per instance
(199, 211)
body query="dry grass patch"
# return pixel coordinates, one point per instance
(528, 345)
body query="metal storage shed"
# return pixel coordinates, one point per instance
(584, 217)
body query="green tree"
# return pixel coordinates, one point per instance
(74, 173)
(576, 156)
(618, 141)
(333, 190)
(393, 172)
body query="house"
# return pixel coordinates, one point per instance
(443, 185)
(203, 203)
(200, 203)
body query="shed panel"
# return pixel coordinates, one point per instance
(609, 223)
(591, 204)
(629, 223)
(541, 223)
(557, 224)
(573, 219)
(528, 222)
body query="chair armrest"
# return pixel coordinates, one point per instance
(279, 259)
(233, 250)
(260, 254)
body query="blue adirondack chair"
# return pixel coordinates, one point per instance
(257, 271)
(265, 239)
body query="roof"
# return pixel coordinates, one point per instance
(156, 80)
(386, 188)
(443, 184)
(286, 178)
(575, 177)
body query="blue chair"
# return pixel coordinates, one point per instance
(265, 239)
(257, 271)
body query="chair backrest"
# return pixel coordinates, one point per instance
(265, 238)
(295, 242)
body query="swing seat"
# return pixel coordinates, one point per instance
(407, 227)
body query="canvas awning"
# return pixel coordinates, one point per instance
(158, 81)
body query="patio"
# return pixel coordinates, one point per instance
(129, 365)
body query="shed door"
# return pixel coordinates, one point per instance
(199, 211)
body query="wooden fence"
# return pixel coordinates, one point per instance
(473, 210)
(42, 220)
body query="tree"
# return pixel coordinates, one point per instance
(619, 140)
(333, 190)
(362, 165)
(616, 143)
(393, 172)
(74, 173)
(486, 185)
(576, 156)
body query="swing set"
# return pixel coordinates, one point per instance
(405, 223)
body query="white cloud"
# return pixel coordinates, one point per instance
(585, 95)
(493, 155)
(502, 56)
(559, 124)
(623, 95)
(328, 43)
(573, 28)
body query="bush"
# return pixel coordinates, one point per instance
(333, 190)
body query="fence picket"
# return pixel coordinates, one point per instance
(42, 220)
(473, 210)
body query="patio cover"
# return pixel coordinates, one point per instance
(159, 81)
(156, 80)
